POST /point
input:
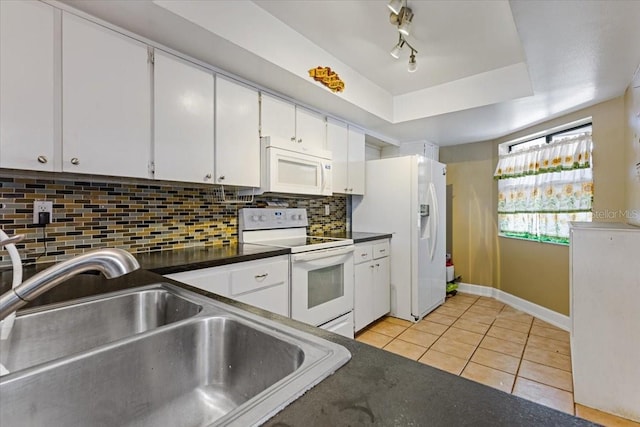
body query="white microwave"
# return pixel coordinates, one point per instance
(286, 171)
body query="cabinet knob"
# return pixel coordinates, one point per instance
(221, 178)
(208, 176)
(346, 189)
(377, 265)
(300, 141)
(261, 276)
(75, 161)
(351, 189)
(42, 159)
(371, 266)
(293, 139)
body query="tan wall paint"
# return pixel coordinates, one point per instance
(474, 230)
(537, 272)
(632, 140)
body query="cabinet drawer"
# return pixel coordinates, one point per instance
(362, 253)
(252, 278)
(381, 249)
(212, 279)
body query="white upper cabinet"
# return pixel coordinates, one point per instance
(292, 127)
(106, 108)
(338, 139)
(183, 120)
(237, 157)
(347, 150)
(26, 85)
(311, 131)
(356, 161)
(278, 121)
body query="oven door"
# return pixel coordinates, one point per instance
(322, 284)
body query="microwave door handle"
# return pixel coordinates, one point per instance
(310, 256)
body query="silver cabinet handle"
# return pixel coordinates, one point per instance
(293, 139)
(208, 176)
(382, 251)
(221, 178)
(42, 159)
(351, 189)
(75, 161)
(371, 266)
(300, 141)
(377, 265)
(260, 276)
(363, 255)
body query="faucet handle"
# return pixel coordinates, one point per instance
(13, 239)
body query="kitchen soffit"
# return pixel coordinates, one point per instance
(486, 68)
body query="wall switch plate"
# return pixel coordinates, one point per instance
(41, 206)
(327, 209)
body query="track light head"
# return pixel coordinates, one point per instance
(405, 17)
(395, 52)
(413, 65)
(395, 6)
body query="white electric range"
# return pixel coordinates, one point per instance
(321, 268)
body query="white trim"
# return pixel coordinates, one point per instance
(557, 319)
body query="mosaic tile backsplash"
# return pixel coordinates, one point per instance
(140, 216)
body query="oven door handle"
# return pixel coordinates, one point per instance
(324, 253)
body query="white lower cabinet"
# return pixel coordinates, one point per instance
(372, 297)
(263, 283)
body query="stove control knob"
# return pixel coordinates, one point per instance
(254, 217)
(299, 217)
(263, 217)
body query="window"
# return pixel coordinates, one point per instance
(545, 182)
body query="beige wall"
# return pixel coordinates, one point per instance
(473, 228)
(537, 272)
(632, 139)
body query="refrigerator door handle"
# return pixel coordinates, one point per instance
(434, 220)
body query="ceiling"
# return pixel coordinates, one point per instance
(485, 68)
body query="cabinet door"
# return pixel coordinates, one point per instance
(278, 120)
(363, 295)
(237, 138)
(311, 130)
(106, 102)
(356, 161)
(183, 121)
(338, 140)
(26, 84)
(381, 287)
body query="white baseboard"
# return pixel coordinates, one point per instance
(560, 320)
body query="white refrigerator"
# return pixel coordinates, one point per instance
(406, 196)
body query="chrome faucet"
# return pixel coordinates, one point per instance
(110, 262)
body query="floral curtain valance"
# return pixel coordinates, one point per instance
(541, 190)
(567, 154)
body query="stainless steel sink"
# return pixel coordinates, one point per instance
(42, 335)
(223, 366)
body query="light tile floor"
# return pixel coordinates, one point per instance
(484, 340)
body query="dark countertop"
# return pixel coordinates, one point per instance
(178, 260)
(360, 237)
(374, 388)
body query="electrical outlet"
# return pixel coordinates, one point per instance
(39, 207)
(327, 209)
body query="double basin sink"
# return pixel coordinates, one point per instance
(158, 355)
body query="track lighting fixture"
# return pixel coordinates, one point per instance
(401, 17)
